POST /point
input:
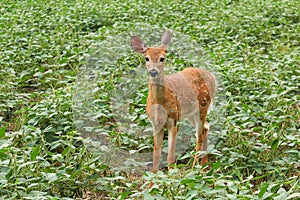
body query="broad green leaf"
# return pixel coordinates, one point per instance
(216, 165)
(263, 190)
(65, 151)
(2, 131)
(275, 143)
(187, 181)
(35, 151)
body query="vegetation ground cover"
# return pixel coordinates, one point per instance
(254, 48)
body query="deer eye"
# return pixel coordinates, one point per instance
(147, 59)
(162, 59)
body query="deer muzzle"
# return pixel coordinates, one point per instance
(153, 73)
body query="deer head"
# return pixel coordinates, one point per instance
(154, 56)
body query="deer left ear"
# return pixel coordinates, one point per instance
(166, 39)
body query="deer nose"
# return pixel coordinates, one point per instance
(153, 73)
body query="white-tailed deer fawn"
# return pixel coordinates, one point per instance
(186, 94)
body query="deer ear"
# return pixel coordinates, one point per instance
(138, 45)
(166, 39)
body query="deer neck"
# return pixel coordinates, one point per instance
(157, 90)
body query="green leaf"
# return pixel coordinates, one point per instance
(275, 143)
(216, 165)
(9, 174)
(154, 191)
(35, 151)
(2, 131)
(275, 187)
(124, 195)
(263, 191)
(187, 181)
(65, 151)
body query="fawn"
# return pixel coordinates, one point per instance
(186, 94)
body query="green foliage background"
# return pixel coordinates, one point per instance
(255, 49)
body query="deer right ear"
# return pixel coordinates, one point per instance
(138, 45)
(166, 39)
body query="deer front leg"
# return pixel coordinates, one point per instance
(172, 132)
(158, 140)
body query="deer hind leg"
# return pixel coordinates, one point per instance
(172, 132)
(204, 159)
(202, 128)
(158, 140)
